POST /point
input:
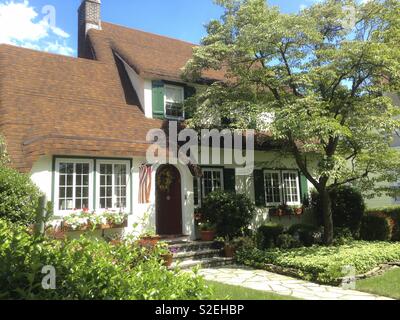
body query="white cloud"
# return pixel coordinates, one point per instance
(21, 25)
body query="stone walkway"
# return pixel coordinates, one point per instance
(283, 285)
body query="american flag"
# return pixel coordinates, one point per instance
(145, 183)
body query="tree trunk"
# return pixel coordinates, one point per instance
(327, 215)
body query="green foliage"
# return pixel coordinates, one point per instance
(19, 197)
(394, 214)
(88, 269)
(307, 234)
(267, 235)
(324, 264)
(347, 208)
(374, 227)
(287, 241)
(319, 76)
(231, 213)
(4, 158)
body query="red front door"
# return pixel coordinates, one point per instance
(168, 201)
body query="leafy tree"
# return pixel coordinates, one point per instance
(320, 75)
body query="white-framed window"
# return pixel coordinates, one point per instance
(273, 194)
(282, 187)
(112, 184)
(213, 179)
(73, 184)
(174, 99)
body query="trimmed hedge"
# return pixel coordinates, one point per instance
(307, 234)
(394, 214)
(19, 197)
(375, 228)
(324, 264)
(267, 235)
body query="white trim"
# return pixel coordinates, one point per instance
(128, 184)
(220, 170)
(293, 203)
(281, 195)
(166, 86)
(57, 183)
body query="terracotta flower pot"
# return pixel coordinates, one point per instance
(168, 258)
(298, 211)
(115, 242)
(229, 251)
(149, 241)
(207, 235)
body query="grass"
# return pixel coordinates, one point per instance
(229, 292)
(325, 264)
(387, 285)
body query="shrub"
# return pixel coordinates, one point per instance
(375, 228)
(19, 197)
(267, 235)
(324, 264)
(230, 212)
(307, 234)
(394, 214)
(88, 269)
(347, 208)
(287, 241)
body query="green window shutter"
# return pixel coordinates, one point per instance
(304, 188)
(189, 92)
(158, 99)
(259, 188)
(229, 180)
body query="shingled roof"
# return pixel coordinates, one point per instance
(57, 105)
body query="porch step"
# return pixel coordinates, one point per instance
(191, 246)
(199, 254)
(203, 263)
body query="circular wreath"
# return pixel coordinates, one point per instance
(164, 180)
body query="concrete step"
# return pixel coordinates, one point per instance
(203, 263)
(198, 254)
(193, 246)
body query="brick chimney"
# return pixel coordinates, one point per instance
(89, 17)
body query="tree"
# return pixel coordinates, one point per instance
(322, 75)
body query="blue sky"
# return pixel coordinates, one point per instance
(32, 23)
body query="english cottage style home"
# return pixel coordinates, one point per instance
(79, 126)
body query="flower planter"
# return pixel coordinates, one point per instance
(207, 235)
(168, 258)
(115, 242)
(68, 228)
(149, 241)
(298, 211)
(229, 251)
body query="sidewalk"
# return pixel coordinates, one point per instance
(283, 285)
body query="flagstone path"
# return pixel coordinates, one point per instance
(283, 285)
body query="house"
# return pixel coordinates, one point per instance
(78, 126)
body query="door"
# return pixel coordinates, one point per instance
(168, 201)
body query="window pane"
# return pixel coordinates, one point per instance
(290, 187)
(174, 94)
(272, 187)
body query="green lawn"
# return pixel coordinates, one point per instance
(228, 292)
(387, 284)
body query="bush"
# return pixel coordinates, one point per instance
(88, 269)
(19, 197)
(394, 214)
(347, 208)
(287, 241)
(231, 213)
(324, 264)
(307, 234)
(375, 228)
(267, 235)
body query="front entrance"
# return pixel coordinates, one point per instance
(168, 201)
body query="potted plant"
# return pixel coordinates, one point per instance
(228, 246)
(75, 222)
(167, 254)
(116, 220)
(149, 239)
(207, 231)
(298, 210)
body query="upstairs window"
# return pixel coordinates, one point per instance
(174, 98)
